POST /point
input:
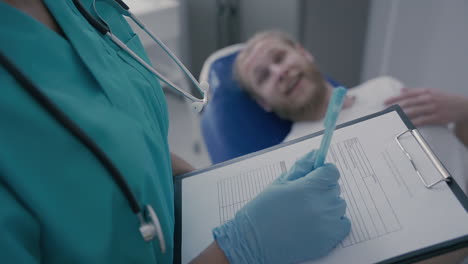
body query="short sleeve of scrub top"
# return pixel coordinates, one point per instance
(58, 203)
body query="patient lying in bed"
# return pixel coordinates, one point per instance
(369, 97)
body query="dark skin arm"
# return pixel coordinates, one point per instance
(211, 255)
(180, 166)
(461, 130)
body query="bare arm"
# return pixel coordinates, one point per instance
(180, 166)
(431, 107)
(454, 257)
(461, 131)
(212, 254)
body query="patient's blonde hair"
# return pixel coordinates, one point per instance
(251, 43)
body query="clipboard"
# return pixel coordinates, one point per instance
(408, 131)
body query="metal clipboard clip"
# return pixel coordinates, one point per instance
(445, 176)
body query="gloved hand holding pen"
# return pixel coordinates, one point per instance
(298, 217)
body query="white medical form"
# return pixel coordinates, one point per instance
(394, 216)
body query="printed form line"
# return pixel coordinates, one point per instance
(369, 209)
(234, 192)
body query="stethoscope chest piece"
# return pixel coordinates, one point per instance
(151, 229)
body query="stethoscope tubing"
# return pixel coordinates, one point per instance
(173, 57)
(147, 230)
(101, 26)
(119, 43)
(74, 129)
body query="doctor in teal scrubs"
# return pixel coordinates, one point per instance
(58, 203)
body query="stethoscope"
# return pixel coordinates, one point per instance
(148, 229)
(100, 25)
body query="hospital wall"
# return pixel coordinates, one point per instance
(333, 30)
(421, 42)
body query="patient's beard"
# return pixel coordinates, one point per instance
(312, 107)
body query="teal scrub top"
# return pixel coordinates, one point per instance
(57, 202)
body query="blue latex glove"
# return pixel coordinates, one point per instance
(298, 217)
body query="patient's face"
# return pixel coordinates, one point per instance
(284, 78)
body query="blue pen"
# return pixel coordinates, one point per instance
(334, 107)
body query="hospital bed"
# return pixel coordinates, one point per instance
(232, 123)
